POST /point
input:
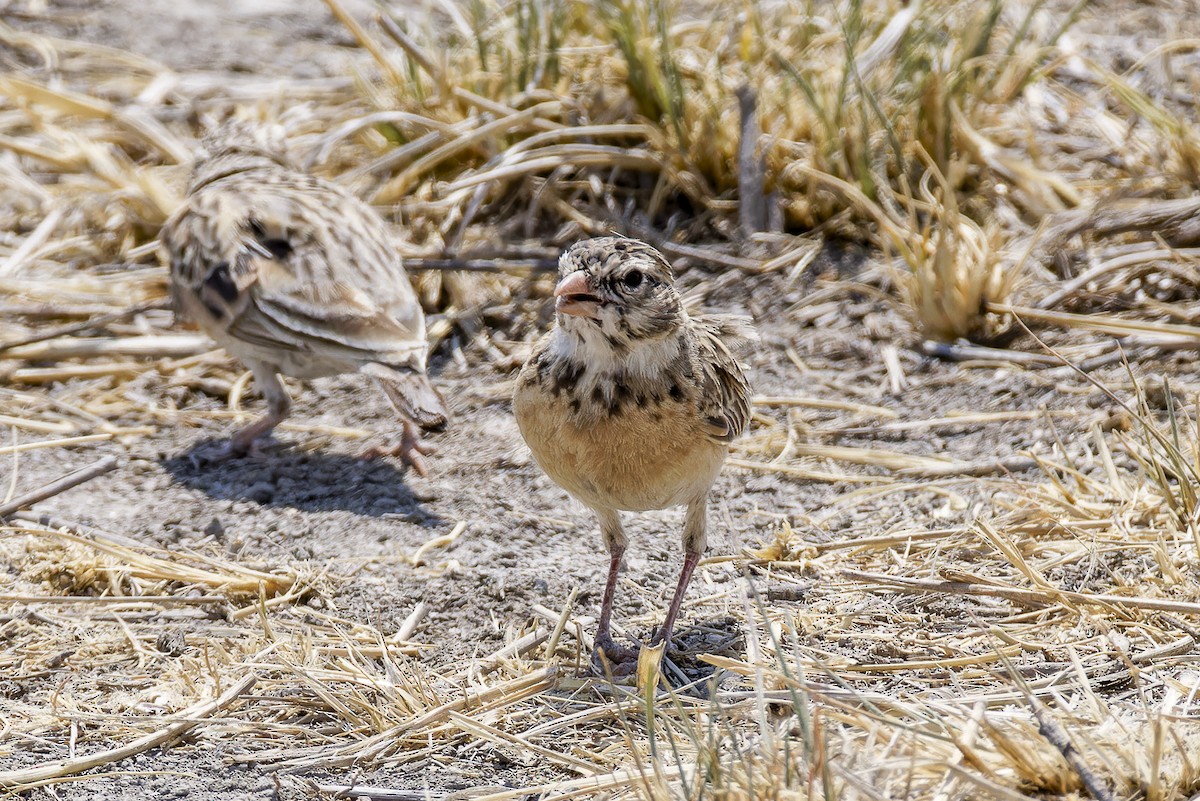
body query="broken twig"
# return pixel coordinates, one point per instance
(59, 485)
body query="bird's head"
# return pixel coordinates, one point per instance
(237, 145)
(236, 135)
(617, 291)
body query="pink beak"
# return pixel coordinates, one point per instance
(573, 297)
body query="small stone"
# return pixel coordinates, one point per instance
(261, 491)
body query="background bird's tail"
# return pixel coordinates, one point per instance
(411, 394)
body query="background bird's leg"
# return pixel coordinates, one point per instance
(615, 541)
(695, 539)
(279, 403)
(412, 448)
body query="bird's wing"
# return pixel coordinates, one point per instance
(289, 262)
(725, 394)
(200, 242)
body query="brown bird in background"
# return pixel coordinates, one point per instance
(291, 274)
(630, 403)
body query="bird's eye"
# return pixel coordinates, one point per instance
(632, 279)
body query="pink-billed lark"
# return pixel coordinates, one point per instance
(630, 403)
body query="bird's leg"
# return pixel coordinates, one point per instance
(411, 450)
(690, 559)
(695, 539)
(616, 541)
(279, 403)
(604, 640)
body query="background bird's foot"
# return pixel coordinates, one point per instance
(410, 449)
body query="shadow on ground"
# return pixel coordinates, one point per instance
(315, 481)
(717, 636)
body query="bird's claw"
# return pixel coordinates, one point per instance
(410, 450)
(611, 658)
(659, 638)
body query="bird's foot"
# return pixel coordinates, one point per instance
(410, 449)
(660, 637)
(612, 658)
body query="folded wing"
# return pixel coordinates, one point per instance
(725, 400)
(270, 273)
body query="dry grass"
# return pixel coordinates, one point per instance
(946, 135)
(941, 132)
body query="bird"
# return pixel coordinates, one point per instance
(630, 403)
(293, 275)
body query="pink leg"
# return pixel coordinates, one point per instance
(690, 560)
(242, 441)
(695, 540)
(620, 658)
(604, 641)
(279, 404)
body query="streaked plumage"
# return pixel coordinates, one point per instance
(291, 274)
(629, 403)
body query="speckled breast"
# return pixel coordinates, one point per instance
(646, 457)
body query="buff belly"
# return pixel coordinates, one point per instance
(640, 459)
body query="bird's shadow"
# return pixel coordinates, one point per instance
(313, 481)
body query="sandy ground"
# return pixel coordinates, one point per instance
(313, 501)
(525, 541)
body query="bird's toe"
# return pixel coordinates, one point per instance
(611, 658)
